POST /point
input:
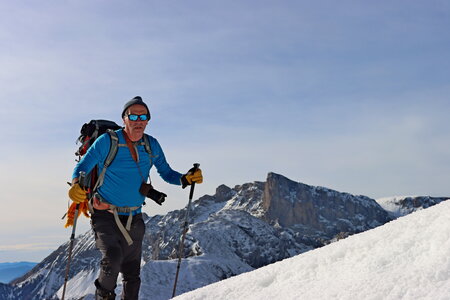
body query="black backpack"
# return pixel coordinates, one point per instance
(91, 131)
(88, 134)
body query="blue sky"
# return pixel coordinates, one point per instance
(351, 95)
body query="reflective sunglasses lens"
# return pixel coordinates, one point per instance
(136, 117)
(133, 117)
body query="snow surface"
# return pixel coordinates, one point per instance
(408, 258)
(391, 205)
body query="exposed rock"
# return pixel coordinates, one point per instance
(223, 193)
(290, 203)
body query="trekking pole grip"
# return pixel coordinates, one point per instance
(82, 179)
(191, 192)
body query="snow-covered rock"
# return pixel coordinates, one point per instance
(398, 206)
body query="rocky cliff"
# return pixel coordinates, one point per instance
(290, 203)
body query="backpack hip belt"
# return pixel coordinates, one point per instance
(115, 210)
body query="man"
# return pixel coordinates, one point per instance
(118, 200)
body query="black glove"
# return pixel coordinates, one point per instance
(157, 196)
(148, 191)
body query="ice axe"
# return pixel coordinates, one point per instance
(185, 229)
(82, 183)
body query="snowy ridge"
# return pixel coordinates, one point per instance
(404, 259)
(47, 277)
(7, 291)
(398, 206)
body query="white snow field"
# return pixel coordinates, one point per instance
(408, 258)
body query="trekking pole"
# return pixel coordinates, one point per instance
(185, 229)
(81, 182)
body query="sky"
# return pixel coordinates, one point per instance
(404, 259)
(350, 95)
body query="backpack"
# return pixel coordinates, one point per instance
(88, 134)
(91, 131)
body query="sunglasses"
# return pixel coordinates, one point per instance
(136, 117)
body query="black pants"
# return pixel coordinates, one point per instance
(117, 255)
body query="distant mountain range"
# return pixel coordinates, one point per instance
(12, 270)
(233, 231)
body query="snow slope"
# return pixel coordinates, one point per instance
(408, 258)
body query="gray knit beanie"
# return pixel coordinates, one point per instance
(135, 100)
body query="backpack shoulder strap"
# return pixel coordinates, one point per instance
(113, 148)
(109, 159)
(147, 146)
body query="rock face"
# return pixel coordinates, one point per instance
(290, 203)
(233, 231)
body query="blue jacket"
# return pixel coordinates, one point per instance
(123, 177)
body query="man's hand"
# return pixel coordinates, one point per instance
(77, 194)
(194, 175)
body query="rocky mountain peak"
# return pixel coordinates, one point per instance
(223, 193)
(291, 203)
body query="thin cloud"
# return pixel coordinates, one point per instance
(29, 247)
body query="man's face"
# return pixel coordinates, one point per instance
(135, 128)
